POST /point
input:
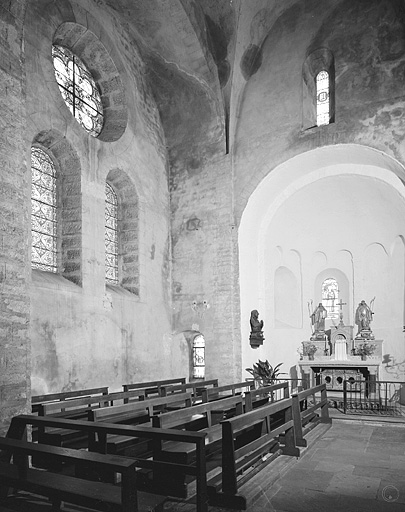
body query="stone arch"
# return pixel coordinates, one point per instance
(69, 169)
(128, 230)
(89, 48)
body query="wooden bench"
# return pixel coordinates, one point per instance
(131, 413)
(249, 442)
(219, 392)
(196, 388)
(261, 396)
(64, 488)
(197, 470)
(305, 406)
(153, 387)
(38, 400)
(202, 417)
(76, 409)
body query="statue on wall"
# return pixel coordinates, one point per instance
(363, 318)
(256, 329)
(318, 318)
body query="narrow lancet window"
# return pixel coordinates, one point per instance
(78, 89)
(330, 297)
(43, 212)
(111, 235)
(322, 98)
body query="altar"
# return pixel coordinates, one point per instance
(333, 357)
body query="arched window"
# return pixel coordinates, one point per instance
(43, 211)
(330, 297)
(111, 235)
(318, 89)
(78, 89)
(322, 98)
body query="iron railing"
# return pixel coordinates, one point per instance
(385, 398)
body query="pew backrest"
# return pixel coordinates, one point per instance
(196, 388)
(121, 413)
(153, 387)
(219, 392)
(271, 394)
(177, 419)
(68, 406)
(37, 400)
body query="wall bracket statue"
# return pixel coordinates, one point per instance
(256, 337)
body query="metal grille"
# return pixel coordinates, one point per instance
(384, 398)
(78, 89)
(322, 98)
(111, 235)
(43, 211)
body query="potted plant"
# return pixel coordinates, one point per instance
(309, 350)
(364, 350)
(264, 374)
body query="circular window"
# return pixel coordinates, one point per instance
(78, 89)
(89, 80)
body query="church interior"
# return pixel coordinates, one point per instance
(170, 166)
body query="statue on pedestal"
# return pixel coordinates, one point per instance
(318, 318)
(256, 334)
(363, 318)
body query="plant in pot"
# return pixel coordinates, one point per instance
(264, 374)
(309, 350)
(364, 350)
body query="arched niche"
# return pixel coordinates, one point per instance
(344, 292)
(287, 299)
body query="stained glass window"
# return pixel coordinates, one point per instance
(330, 297)
(43, 211)
(322, 98)
(78, 89)
(111, 235)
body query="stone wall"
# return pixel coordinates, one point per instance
(15, 350)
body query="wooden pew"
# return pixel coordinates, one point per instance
(249, 442)
(196, 388)
(18, 426)
(219, 392)
(38, 400)
(261, 396)
(131, 413)
(153, 387)
(77, 409)
(305, 406)
(203, 418)
(63, 488)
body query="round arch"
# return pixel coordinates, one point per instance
(275, 189)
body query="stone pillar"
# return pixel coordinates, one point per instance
(15, 353)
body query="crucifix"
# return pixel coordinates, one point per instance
(341, 304)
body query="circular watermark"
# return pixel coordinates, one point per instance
(390, 493)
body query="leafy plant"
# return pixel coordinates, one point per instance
(309, 349)
(264, 372)
(365, 349)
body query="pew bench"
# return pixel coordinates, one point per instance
(249, 442)
(18, 429)
(76, 409)
(261, 396)
(195, 388)
(38, 400)
(203, 418)
(220, 392)
(153, 387)
(310, 407)
(131, 413)
(65, 488)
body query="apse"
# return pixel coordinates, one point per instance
(329, 217)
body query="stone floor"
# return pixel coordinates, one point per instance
(354, 466)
